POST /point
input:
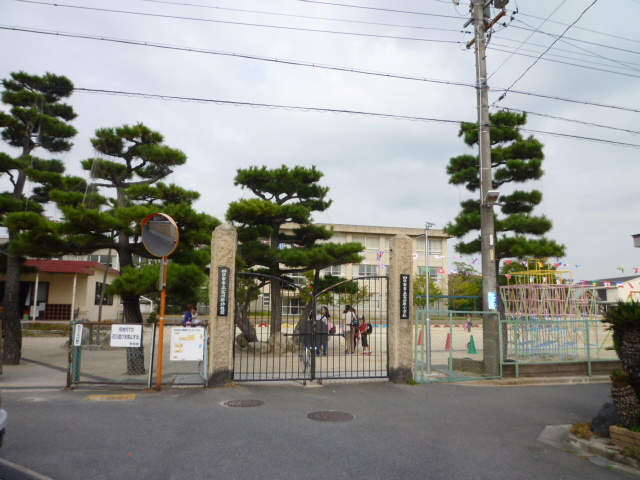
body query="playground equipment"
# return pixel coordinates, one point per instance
(550, 318)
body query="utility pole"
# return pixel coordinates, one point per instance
(488, 196)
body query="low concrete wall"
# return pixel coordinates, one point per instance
(598, 367)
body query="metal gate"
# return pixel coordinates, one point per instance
(279, 337)
(450, 346)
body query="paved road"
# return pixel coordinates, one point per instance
(439, 431)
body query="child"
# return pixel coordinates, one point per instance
(365, 330)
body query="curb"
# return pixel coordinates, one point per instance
(537, 381)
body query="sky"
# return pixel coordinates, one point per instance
(375, 91)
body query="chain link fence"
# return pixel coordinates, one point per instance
(125, 354)
(456, 346)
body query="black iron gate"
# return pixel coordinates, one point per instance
(282, 335)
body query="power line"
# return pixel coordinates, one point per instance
(587, 63)
(581, 122)
(578, 28)
(308, 64)
(329, 110)
(380, 9)
(245, 24)
(564, 63)
(552, 44)
(306, 17)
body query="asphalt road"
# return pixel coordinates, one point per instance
(438, 431)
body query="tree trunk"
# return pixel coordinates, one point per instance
(12, 314)
(276, 307)
(244, 323)
(135, 356)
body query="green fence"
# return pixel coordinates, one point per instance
(455, 346)
(539, 340)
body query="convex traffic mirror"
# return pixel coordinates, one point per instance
(160, 234)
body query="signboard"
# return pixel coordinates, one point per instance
(123, 335)
(493, 301)
(223, 291)
(77, 335)
(405, 301)
(187, 344)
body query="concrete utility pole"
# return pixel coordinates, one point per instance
(488, 196)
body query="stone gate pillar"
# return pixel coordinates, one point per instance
(401, 311)
(222, 305)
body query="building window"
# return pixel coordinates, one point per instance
(293, 306)
(103, 259)
(333, 270)
(435, 246)
(370, 243)
(433, 272)
(108, 299)
(266, 300)
(368, 270)
(297, 279)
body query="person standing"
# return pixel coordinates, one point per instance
(188, 316)
(323, 315)
(365, 330)
(194, 316)
(469, 323)
(349, 320)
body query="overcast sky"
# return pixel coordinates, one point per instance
(403, 58)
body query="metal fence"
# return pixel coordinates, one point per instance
(98, 356)
(540, 340)
(277, 351)
(450, 346)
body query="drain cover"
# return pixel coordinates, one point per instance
(330, 416)
(243, 403)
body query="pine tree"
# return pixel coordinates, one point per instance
(514, 159)
(37, 119)
(285, 195)
(134, 160)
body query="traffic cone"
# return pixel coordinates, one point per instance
(420, 339)
(472, 346)
(448, 344)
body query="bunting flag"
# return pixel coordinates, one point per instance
(509, 277)
(531, 279)
(630, 284)
(475, 260)
(441, 270)
(382, 265)
(607, 284)
(619, 285)
(636, 270)
(621, 269)
(595, 284)
(379, 255)
(577, 266)
(583, 282)
(508, 262)
(438, 256)
(415, 255)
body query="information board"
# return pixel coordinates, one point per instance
(405, 301)
(123, 335)
(187, 344)
(223, 291)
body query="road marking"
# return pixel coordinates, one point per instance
(112, 398)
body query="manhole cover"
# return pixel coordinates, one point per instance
(330, 416)
(243, 403)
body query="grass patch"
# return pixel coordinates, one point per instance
(581, 430)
